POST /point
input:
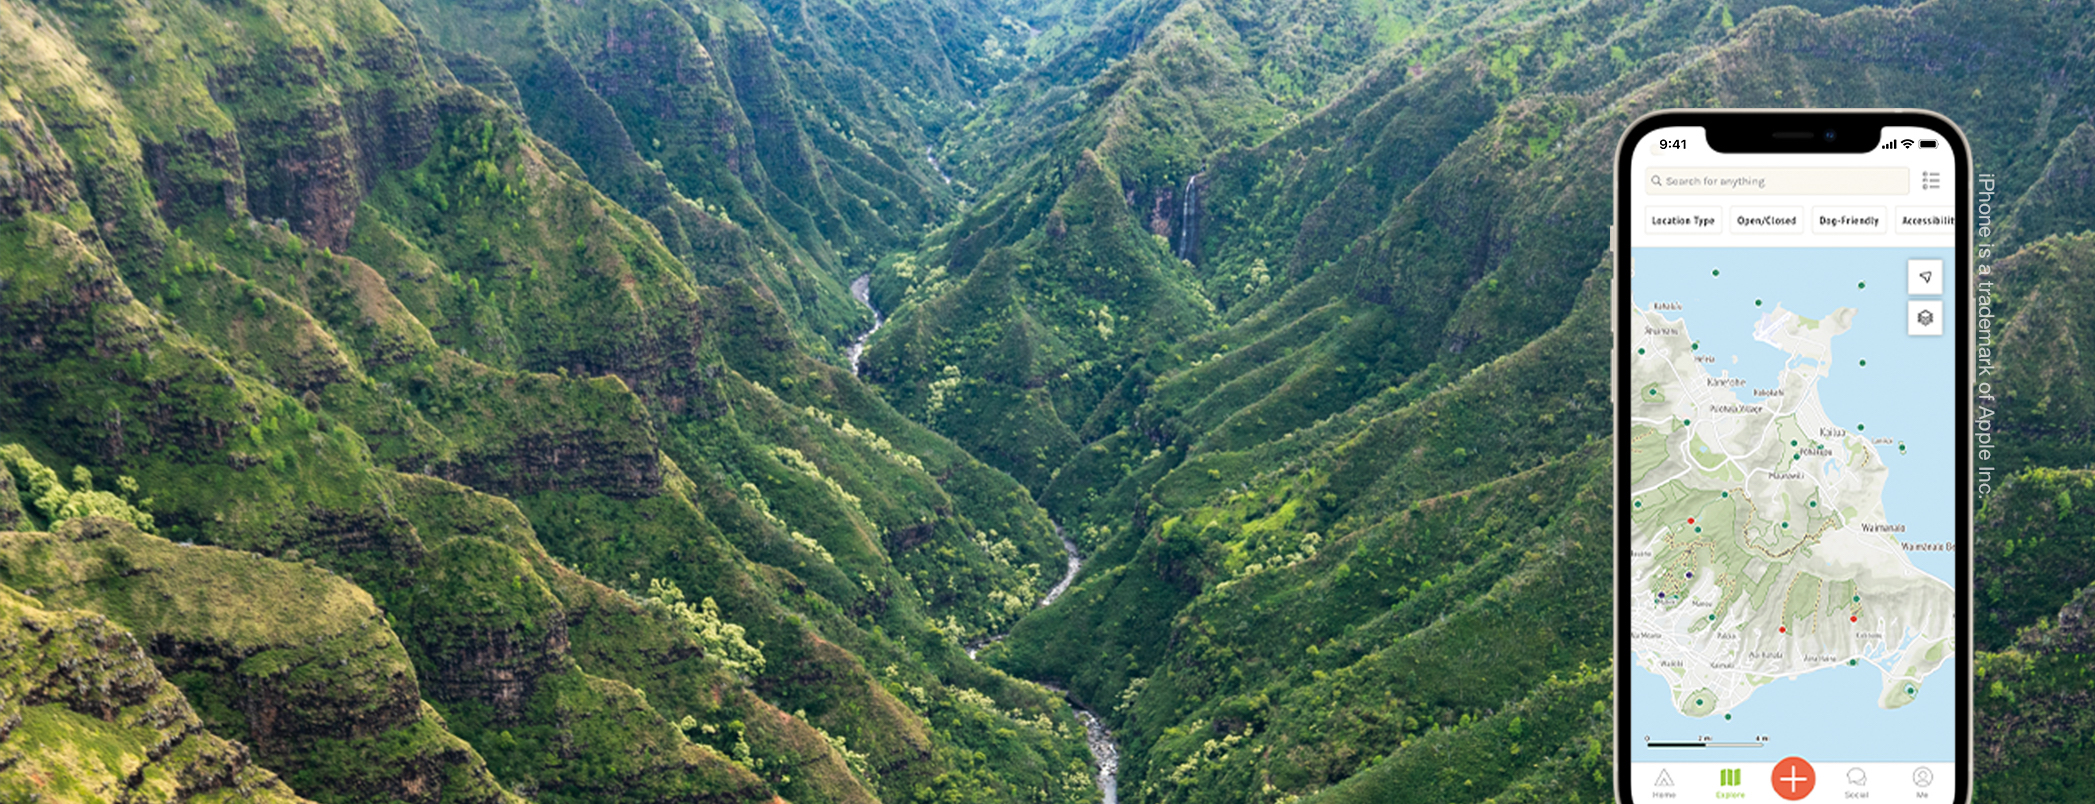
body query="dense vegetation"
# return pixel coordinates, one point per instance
(433, 400)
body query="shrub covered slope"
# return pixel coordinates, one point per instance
(445, 400)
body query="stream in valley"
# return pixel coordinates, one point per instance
(1105, 754)
(862, 290)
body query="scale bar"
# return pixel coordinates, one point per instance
(1704, 745)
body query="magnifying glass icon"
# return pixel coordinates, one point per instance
(1654, 179)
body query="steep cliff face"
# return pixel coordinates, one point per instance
(305, 685)
(796, 132)
(35, 175)
(90, 718)
(429, 292)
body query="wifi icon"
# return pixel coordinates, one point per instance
(1905, 143)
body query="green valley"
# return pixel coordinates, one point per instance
(860, 401)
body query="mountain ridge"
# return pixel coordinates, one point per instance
(501, 344)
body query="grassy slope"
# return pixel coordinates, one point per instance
(1191, 463)
(435, 331)
(638, 383)
(318, 686)
(105, 719)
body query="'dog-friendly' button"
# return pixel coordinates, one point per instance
(1847, 220)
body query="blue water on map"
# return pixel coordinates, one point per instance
(1845, 724)
(1907, 392)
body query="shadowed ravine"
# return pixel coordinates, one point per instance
(1104, 753)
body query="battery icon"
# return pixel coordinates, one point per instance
(1927, 143)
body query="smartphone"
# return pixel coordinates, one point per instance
(1793, 501)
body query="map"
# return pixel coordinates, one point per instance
(1761, 544)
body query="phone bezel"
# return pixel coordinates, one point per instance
(1754, 130)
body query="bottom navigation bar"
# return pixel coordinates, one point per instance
(1792, 779)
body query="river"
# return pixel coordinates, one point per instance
(862, 290)
(931, 157)
(1105, 753)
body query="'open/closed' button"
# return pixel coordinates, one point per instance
(1767, 220)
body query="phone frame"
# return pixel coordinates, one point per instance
(1774, 131)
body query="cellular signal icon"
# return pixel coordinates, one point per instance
(1888, 145)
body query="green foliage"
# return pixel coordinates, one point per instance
(2039, 561)
(721, 639)
(1294, 321)
(110, 720)
(55, 504)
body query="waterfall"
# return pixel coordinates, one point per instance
(1188, 218)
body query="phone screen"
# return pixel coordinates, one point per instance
(1789, 341)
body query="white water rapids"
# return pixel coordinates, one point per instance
(862, 290)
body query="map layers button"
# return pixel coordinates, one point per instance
(1923, 317)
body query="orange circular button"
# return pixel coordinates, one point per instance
(1794, 778)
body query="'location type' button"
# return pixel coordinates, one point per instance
(1684, 220)
(1924, 277)
(1924, 317)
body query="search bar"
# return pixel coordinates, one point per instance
(1779, 181)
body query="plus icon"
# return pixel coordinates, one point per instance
(1793, 779)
